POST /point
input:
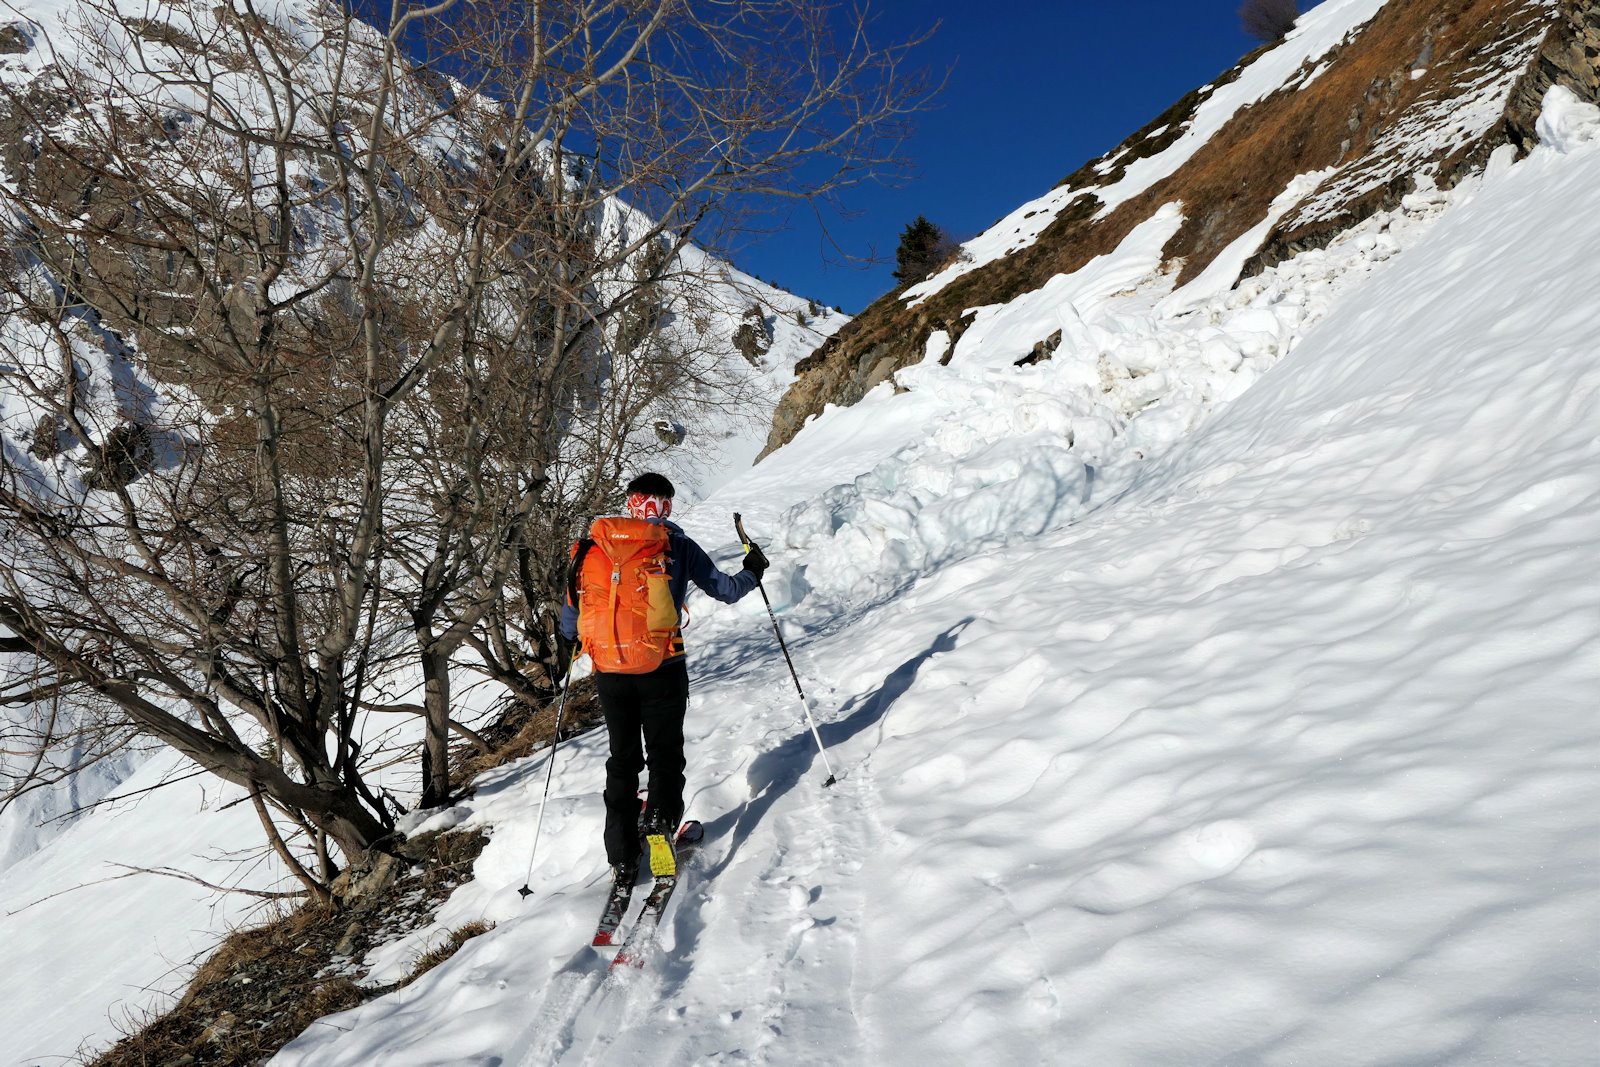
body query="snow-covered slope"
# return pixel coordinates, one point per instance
(91, 947)
(1277, 749)
(1162, 738)
(726, 439)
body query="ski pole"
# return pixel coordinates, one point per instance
(744, 539)
(561, 710)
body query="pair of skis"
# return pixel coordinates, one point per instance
(643, 932)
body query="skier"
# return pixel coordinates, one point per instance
(624, 607)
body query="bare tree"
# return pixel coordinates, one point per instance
(1268, 20)
(323, 347)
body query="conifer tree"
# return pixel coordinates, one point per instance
(1268, 20)
(923, 245)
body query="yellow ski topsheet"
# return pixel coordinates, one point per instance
(662, 861)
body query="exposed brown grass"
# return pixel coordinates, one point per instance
(427, 961)
(1229, 184)
(255, 993)
(522, 730)
(263, 986)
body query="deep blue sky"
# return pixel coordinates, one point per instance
(1037, 88)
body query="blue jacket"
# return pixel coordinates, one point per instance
(686, 562)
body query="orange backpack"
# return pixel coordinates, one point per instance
(626, 618)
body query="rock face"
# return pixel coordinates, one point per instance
(1426, 88)
(872, 347)
(1570, 56)
(1501, 75)
(14, 39)
(753, 338)
(126, 453)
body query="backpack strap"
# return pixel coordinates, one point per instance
(579, 550)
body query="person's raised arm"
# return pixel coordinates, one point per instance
(727, 588)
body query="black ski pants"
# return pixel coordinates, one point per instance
(648, 708)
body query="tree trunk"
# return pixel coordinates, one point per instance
(436, 744)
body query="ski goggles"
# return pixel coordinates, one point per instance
(645, 506)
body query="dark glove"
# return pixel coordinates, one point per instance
(755, 562)
(567, 649)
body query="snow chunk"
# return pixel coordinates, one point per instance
(1004, 333)
(1565, 122)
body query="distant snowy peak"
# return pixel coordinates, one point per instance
(1362, 103)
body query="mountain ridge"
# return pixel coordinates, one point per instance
(1394, 73)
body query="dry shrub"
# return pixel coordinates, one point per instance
(263, 986)
(243, 948)
(256, 992)
(427, 961)
(523, 730)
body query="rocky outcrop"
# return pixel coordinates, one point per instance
(1569, 56)
(14, 39)
(753, 338)
(127, 453)
(874, 345)
(1498, 70)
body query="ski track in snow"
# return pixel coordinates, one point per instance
(800, 888)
